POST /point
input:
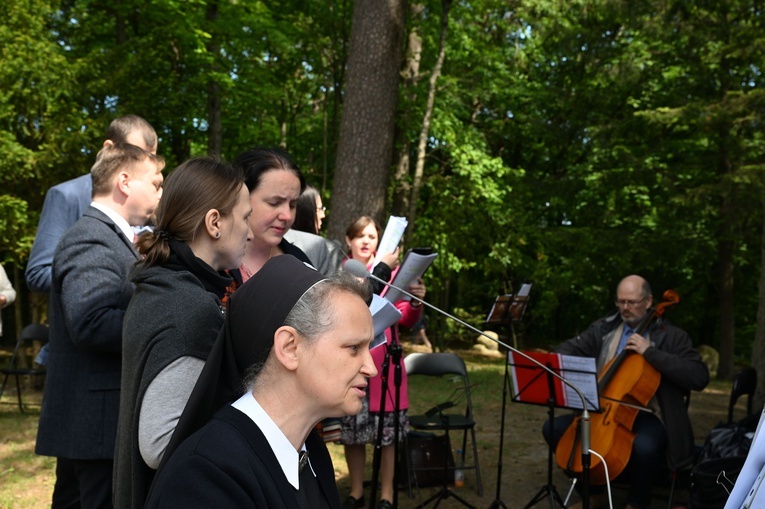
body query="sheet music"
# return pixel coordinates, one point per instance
(579, 371)
(413, 267)
(384, 315)
(391, 237)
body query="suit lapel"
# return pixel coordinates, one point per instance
(97, 214)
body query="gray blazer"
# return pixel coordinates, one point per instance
(89, 294)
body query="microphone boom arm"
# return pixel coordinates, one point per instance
(357, 269)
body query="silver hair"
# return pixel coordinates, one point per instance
(313, 314)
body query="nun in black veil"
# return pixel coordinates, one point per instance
(294, 350)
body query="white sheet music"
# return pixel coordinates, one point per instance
(413, 267)
(384, 315)
(394, 230)
(580, 371)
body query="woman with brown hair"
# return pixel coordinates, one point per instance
(176, 311)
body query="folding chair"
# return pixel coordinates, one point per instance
(438, 365)
(744, 383)
(17, 368)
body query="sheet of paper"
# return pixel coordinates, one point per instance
(394, 230)
(384, 315)
(580, 371)
(413, 267)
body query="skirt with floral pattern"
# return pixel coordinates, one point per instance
(361, 429)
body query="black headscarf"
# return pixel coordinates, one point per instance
(255, 311)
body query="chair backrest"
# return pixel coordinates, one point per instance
(438, 364)
(744, 383)
(434, 364)
(34, 332)
(29, 334)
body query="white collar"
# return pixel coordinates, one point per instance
(120, 221)
(286, 454)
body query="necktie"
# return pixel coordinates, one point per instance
(628, 331)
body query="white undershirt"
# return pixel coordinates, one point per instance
(120, 221)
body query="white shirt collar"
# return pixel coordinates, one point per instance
(286, 454)
(120, 221)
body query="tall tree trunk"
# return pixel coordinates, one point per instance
(427, 117)
(725, 285)
(365, 147)
(411, 73)
(214, 127)
(758, 348)
(727, 238)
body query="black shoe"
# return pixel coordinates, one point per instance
(353, 503)
(384, 504)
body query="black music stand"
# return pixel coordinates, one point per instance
(505, 312)
(531, 388)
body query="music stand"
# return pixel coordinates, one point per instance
(535, 386)
(505, 312)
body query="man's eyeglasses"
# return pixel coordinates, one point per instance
(626, 303)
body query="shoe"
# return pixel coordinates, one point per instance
(353, 503)
(384, 504)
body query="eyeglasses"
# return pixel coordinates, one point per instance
(626, 303)
(323, 209)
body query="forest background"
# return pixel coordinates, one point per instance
(560, 143)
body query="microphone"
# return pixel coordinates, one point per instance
(358, 269)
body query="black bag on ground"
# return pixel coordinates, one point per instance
(427, 451)
(719, 464)
(709, 480)
(727, 441)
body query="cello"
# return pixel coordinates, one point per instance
(626, 384)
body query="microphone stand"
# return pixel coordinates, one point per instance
(394, 351)
(358, 270)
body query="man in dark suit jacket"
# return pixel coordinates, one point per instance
(89, 294)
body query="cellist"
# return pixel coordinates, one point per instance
(663, 434)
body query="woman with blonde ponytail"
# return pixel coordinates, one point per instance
(175, 314)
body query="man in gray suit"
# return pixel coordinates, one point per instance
(89, 294)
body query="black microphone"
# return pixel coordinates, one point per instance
(358, 269)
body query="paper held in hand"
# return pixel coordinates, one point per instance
(394, 230)
(384, 315)
(411, 269)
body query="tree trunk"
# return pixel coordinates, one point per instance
(214, 127)
(725, 289)
(427, 117)
(727, 238)
(365, 147)
(758, 348)
(411, 73)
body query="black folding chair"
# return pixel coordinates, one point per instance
(436, 419)
(21, 363)
(744, 383)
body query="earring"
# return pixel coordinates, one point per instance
(217, 235)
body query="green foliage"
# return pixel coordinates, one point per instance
(571, 143)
